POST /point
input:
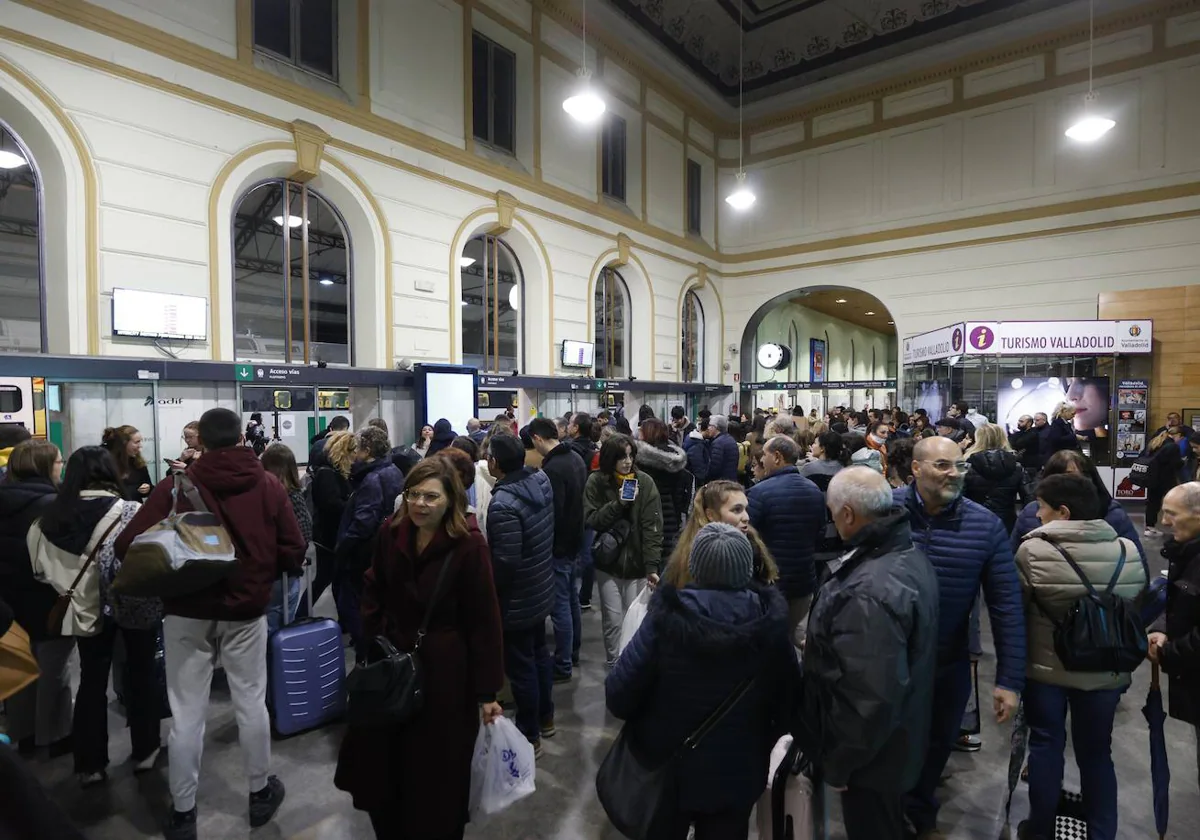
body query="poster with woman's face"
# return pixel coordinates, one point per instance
(1090, 398)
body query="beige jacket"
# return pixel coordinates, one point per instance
(1095, 547)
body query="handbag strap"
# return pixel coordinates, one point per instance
(187, 485)
(437, 592)
(692, 741)
(92, 554)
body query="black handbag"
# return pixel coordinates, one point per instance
(641, 801)
(608, 545)
(387, 686)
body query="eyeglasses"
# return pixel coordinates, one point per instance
(947, 466)
(431, 499)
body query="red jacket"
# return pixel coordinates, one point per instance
(255, 509)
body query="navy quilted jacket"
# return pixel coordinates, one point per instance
(1115, 516)
(723, 462)
(969, 548)
(699, 452)
(692, 651)
(788, 511)
(520, 532)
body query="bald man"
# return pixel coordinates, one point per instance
(969, 548)
(871, 657)
(1175, 644)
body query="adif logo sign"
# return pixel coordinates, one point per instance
(164, 401)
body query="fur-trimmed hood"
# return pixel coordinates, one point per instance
(719, 621)
(668, 458)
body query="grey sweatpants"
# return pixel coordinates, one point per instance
(44, 709)
(616, 596)
(192, 647)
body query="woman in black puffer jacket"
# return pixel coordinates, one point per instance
(666, 463)
(995, 479)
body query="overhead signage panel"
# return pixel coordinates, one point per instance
(1054, 338)
(934, 345)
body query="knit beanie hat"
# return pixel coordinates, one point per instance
(721, 557)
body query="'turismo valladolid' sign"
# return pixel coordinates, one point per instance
(934, 345)
(1051, 338)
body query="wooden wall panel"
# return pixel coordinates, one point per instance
(1175, 382)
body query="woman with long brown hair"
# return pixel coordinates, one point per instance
(124, 443)
(719, 501)
(330, 492)
(280, 461)
(414, 779)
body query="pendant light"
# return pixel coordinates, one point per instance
(1090, 127)
(742, 198)
(10, 158)
(585, 105)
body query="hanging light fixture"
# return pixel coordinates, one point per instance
(292, 221)
(585, 105)
(742, 198)
(11, 160)
(1090, 127)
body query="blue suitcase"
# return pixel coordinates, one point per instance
(306, 685)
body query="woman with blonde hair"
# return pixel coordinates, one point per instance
(1164, 473)
(719, 501)
(995, 477)
(330, 492)
(1062, 430)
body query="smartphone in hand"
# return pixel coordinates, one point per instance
(629, 489)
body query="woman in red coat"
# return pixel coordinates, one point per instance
(414, 780)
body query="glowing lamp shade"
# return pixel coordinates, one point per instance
(585, 106)
(742, 198)
(1089, 129)
(11, 160)
(466, 262)
(514, 298)
(292, 221)
(326, 281)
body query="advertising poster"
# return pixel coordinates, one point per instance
(1123, 489)
(933, 395)
(816, 360)
(1043, 395)
(1132, 401)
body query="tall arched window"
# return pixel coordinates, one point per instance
(300, 315)
(693, 338)
(21, 303)
(612, 325)
(492, 302)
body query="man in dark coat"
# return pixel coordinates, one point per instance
(870, 658)
(520, 531)
(1026, 443)
(723, 461)
(1175, 642)
(579, 439)
(788, 511)
(228, 616)
(681, 427)
(316, 453)
(567, 477)
(698, 447)
(968, 547)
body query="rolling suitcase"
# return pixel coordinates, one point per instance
(788, 810)
(306, 684)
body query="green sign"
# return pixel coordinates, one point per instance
(244, 373)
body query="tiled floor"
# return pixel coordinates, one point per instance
(564, 806)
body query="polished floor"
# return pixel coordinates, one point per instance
(564, 806)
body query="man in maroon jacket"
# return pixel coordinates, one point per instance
(227, 619)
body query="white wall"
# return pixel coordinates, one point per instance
(211, 24)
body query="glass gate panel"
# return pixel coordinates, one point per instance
(81, 411)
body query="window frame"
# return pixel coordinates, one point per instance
(491, 363)
(285, 279)
(296, 60)
(695, 197)
(490, 81)
(697, 341)
(40, 208)
(610, 157)
(609, 279)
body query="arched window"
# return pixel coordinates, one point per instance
(693, 338)
(493, 327)
(612, 326)
(22, 306)
(300, 315)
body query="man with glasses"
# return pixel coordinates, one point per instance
(968, 547)
(520, 532)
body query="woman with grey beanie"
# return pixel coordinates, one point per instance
(723, 635)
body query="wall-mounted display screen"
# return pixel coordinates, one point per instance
(139, 314)
(445, 392)
(578, 354)
(1033, 395)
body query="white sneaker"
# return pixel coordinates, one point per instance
(147, 763)
(1151, 532)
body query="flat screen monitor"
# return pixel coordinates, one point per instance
(578, 354)
(446, 391)
(139, 314)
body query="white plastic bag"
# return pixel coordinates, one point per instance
(502, 768)
(634, 616)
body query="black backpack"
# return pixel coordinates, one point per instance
(1101, 632)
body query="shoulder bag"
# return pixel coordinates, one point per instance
(58, 613)
(387, 686)
(643, 801)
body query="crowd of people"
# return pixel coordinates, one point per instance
(821, 578)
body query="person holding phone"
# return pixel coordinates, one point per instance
(622, 506)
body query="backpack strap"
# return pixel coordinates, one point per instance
(187, 486)
(1112, 584)
(1079, 572)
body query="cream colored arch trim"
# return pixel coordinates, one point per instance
(617, 257)
(510, 221)
(693, 283)
(91, 197)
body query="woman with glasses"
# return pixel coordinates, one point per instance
(621, 504)
(414, 779)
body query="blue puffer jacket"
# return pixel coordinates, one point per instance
(699, 452)
(1115, 516)
(788, 511)
(692, 651)
(374, 486)
(968, 547)
(520, 532)
(723, 462)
